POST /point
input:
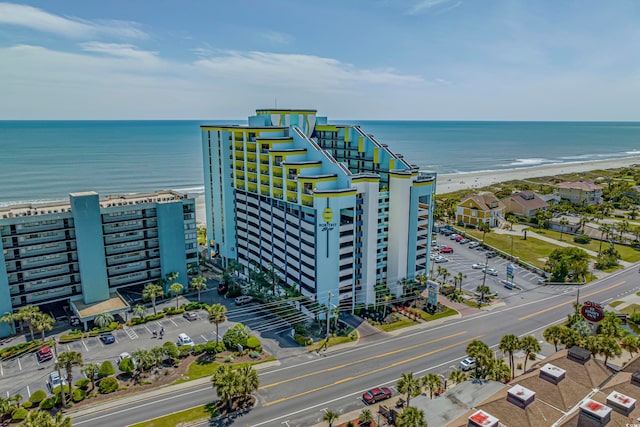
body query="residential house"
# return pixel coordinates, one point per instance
(583, 192)
(480, 208)
(525, 204)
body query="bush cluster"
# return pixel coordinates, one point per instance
(194, 306)
(83, 383)
(172, 311)
(19, 414)
(108, 385)
(21, 348)
(48, 403)
(37, 397)
(582, 239)
(27, 404)
(151, 317)
(78, 394)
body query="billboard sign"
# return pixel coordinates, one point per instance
(433, 288)
(592, 311)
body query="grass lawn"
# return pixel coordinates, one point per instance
(398, 324)
(533, 251)
(202, 369)
(188, 415)
(616, 303)
(333, 341)
(428, 317)
(630, 309)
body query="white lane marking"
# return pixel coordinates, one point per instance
(19, 364)
(174, 323)
(85, 345)
(28, 391)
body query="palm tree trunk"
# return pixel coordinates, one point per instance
(198, 295)
(153, 301)
(217, 335)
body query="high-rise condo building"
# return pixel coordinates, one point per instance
(78, 253)
(326, 206)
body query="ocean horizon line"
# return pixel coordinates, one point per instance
(332, 120)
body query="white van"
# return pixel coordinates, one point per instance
(183, 339)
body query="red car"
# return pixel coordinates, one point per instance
(376, 394)
(446, 250)
(44, 354)
(459, 238)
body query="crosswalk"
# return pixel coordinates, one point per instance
(130, 332)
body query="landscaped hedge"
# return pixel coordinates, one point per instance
(583, 239)
(253, 343)
(172, 311)
(83, 383)
(38, 396)
(19, 415)
(22, 348)
(76, 334)
(79, 394)
(108, 385)
(195, 306)
(139, 321)
(27, 404)
(48, 403)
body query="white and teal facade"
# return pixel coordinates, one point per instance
(334, 210)
(87, 248)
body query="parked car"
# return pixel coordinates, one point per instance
(55, 380)
(464, 241)
(446, 232)
(184, 339)
(446, 250)
(440, 259)
(491, 254)
(474, 245)
(44, 354)
(479, 266)
(376, 394)
(190, 315)
(432, 256)
(467, 363)
(122, 356)
(107, 338)
(454, 236)
(459, 238)
(491, 271)
(244, 299)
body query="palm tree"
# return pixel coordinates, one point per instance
(103, 319)
(226, 383)
(610, 325)
(609, 347)
(445, 274)
(631, 344)
(365, 418)
(385, 300)
(249, 380)
(36, 418)
(8, 406)
(485, 228)
(568, 337)
(460, 278)
(482, 289)
(330, 417)
(139, 310)
(499, 371)
(553, 335)
(458, 376)
(509, 344)
(91, 371)
(411, 417)
(563, 223)
(481, 353)
(43, 322)
(24, 315)
(431, 381)
(68, 360)
(151, 292)
(199, 284)
(176, 288)
(217, 315)
(408, 385)
(529, 345)
(592, 344)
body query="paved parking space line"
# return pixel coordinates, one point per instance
(1, 370)
(68, 347)
(85, 345)
(148, 330)
(204, 338)
(28, 391)
(19, 364)
(174, 323)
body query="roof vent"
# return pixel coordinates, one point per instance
(579, 355)
(482, 419)
(520, 396)
(552, 373)
(621, 403)
(635, 378)
(594, 413)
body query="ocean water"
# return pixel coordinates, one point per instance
(47, 160)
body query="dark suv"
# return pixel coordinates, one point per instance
(492, 254)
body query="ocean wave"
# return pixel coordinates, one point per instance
(190, 190)
(4, 204)
(528, 162)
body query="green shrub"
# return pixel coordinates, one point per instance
(635, 317)
(58, 389)
(27, 404)
(228, 359)
(83, 383)
(48, 403)
(79, 394)
(197, 349)
(253, 343)
(154, 317)
(184, 350)
(236, 335)
(108, 385)
(300, 339)
(211, 348)
(254, 354)
(172, 311)
(114, 325)
(38, 396)
(19, 415)
(170, 349)
(106, 369)
(194, 306)
(582, 239)
(126, 365)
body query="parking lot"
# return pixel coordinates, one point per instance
(463, 258)
(25, 374)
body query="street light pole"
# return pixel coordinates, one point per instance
(511, 247)
(328, 311)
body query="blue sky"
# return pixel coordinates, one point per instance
(350, 59)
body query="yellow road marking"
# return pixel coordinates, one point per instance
(570, 301)
(355, 362)
(371, 372)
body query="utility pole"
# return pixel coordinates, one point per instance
(62, 392)
(328, 312)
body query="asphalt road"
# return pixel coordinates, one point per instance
(298, 392)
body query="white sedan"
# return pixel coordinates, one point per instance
(474, 245)
(492, 271)
(479, 266)
(440, 258)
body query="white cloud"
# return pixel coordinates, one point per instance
(276, 37)
(120, 50)
(428, 4)
(39, 20)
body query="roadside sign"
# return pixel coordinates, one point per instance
(592, 311)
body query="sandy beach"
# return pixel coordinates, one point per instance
(449, 183)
